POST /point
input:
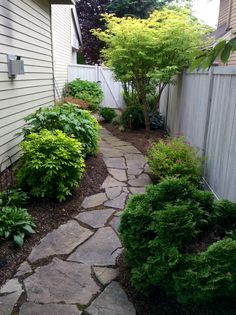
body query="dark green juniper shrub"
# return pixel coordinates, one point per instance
(108, 114)
(164, 235)
(15, 223)
(89, 92)
(69, 119)
(132, 117)
(52, 164)
(174, 157)
(13, 198)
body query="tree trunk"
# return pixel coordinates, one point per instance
(145, 113)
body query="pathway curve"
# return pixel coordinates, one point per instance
(72, 270)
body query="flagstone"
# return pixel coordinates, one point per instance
(115, 163)
(112, 182)
(140, 181)
(118, 174)
(113, 192)
(95, 218)
(106, 275)
(48, 309)
(118, 202)
(94, 201)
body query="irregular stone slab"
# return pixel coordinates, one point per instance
(113, 300)
(112, 182)
(120, 175)
(113, 192)
(8, 302)
(23, 269)
(48, 309)
(61, 282)
(125, 189)
(94, 201)
(98, 249)
(135, 161)
(12, 285)
(105, 275)
(115, 163)
(140, 181)
(95, 218)
(134, 171)
(137, 190)
(147, 169)
(60, 241)
(115, 223)
(108, 152)
(118, 202)
(129, 149)
(120, 143)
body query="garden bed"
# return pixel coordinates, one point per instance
(49, 215)
(137, 138)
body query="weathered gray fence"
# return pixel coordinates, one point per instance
(112, 89)
(202, 106)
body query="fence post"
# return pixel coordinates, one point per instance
(209, 102)
(96, 68)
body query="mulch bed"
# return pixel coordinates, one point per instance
(137, 138)
(49, 215)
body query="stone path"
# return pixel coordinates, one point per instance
(73, 270)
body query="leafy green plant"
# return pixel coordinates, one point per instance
(132, 117)
(51, 166)
(107, 113)
(89, 92)
(69, 119)
(13, 198)
(15, 223)
(174, 157)
(164, 235)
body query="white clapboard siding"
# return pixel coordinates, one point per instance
(62, 49)
(25, 30)
(202, 106)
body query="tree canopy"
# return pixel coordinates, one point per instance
(149, 52)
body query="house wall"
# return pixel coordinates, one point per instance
(62, 46)
(25, 30)
(223, 12)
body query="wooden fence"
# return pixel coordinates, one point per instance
(202, 106)
(113, 92)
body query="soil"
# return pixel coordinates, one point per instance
(49, 215)
(138, 138)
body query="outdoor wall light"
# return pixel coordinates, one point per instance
(15, 66)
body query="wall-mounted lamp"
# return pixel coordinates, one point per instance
(15, 66)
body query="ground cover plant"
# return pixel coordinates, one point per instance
(179, 239)
(69, 119)
(52, 164)
(90, 92)
(108, 114)
(175, 157)
(13, 198)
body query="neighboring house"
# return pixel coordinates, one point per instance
(227, 24)
(66, 38)
(25, 31)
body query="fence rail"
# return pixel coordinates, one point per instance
(202, 106)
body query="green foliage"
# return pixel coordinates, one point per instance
(13, 198)
(133, 117)
(15, 223)
(69, 119)
(174, 157)
(147, 53)
(205, 58)
(158, 230)
(89, 92)
(52, 164)
(107, 113)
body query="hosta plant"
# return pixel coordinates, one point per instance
(13, 198)
(108, 114)
(15, 223)
(52, 164)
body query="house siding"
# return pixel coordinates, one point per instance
(62, 47)
(223, 13)
(25, 30)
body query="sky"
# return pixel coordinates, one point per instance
(207, 11)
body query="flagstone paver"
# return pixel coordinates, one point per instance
(60, 241)
(95, 218)
(76, 262)
(112, 301)
(99, 249)
(48, 309)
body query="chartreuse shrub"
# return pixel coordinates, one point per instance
(89, 92)
(52, 164)
(108, 114)
(69, 119)
(15, 223)
(163, 232)
(174, 157)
